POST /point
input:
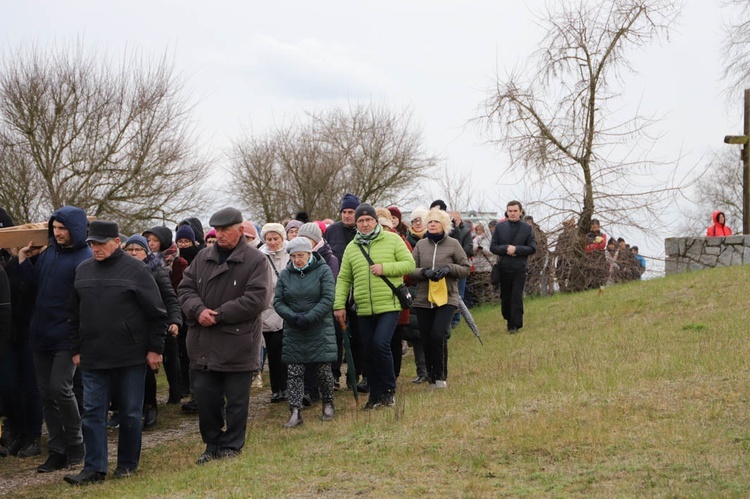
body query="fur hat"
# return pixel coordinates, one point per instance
(349, 202)
(384, 217)
(365, 209)
(442, 217)
(311, 230)
(273, 227)
(140, 241)
(419, 213)
(185, 232)
(299, 244)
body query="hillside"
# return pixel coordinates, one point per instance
(642, 390)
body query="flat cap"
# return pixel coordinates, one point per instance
(102, 231)
(226, 217)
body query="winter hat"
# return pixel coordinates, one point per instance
(349, 202)
(5, 219)
(384, 217)
(273, 227)
(249, 229)
(164, 234)
(365, 209)
(185, 232)
(322, 226)
(299, 244)
(311, 230)
(140, 241)
(101, 231)
(211, 233)
(293, 224)
(440, 216)
(197, 227)
(302, 216)
(395, 212)
(440, 204)
(419, 213)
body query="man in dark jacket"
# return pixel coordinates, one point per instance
(51, 277)
(117, 327)
(223, 293)
(513, 241)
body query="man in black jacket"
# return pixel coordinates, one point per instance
(513, 241)
(117, 322)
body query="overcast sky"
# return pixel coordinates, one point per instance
(253, 64)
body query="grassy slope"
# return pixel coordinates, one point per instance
(640, 391)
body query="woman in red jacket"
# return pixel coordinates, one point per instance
(719, 228)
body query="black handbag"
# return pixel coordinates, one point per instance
(495, 274)
(401, 292)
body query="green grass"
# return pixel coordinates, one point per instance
(640, 391)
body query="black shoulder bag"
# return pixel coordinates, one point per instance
(401, 292)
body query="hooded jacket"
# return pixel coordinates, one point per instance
(434, 255)
(51, 277)
(239, 290)
(310, 292)
(717, 229)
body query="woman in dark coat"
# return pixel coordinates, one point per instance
(304, 299)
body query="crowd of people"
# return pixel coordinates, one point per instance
(86, 321)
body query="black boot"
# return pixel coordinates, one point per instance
(31, 447)
(295, 419)
(328, 411)
(149, 417)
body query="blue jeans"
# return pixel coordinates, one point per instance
(99, 385)
(375, 332)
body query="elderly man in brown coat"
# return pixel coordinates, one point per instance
(223, 293)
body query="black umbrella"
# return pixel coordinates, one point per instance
(351, 371)
(469, 319)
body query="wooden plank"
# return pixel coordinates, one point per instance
(735, 139)
(17, 237)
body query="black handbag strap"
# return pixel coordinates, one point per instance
(272, 265)
(369, 260)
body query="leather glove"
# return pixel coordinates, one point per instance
(441, 272)
(428, 273)
(302, 320)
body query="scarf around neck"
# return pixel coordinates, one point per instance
(366, 239)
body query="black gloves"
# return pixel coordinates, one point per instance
(441, 272)
(301, 320)
(437, 274)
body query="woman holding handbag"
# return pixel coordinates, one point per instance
(440, 263)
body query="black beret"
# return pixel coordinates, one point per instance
(226, 217)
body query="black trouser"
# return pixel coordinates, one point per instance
(149, 391)
(172, 366)
(434, 328)
(396, 349)
(356, 342)
(211, 389)
(511, 296)
(276, 368)
(185, 387)
(336, 365)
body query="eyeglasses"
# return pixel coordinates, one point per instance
(417, 221)
(136, 249)
(366, 220)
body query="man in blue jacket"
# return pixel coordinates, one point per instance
(52, 275)
(513, 241)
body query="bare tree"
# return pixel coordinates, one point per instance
(719, 188)
(736, 48)
(308, 165)
(455, 187)
(561, 127)
(113, 139)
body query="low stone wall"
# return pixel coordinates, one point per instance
(685, 254)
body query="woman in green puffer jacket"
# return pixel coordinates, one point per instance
(304, 299)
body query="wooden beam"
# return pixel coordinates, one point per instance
(735, 139)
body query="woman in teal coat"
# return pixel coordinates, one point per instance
(304, 299)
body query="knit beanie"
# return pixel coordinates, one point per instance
(211, 233)
(293, 224)
(140, 241)
(249, 229)
(311, 230)
(185, 232)
(440, 204)
(395, 212)
(349, 202)
(365, 209)
(299, 244)
(322, 226)
(273, 227)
